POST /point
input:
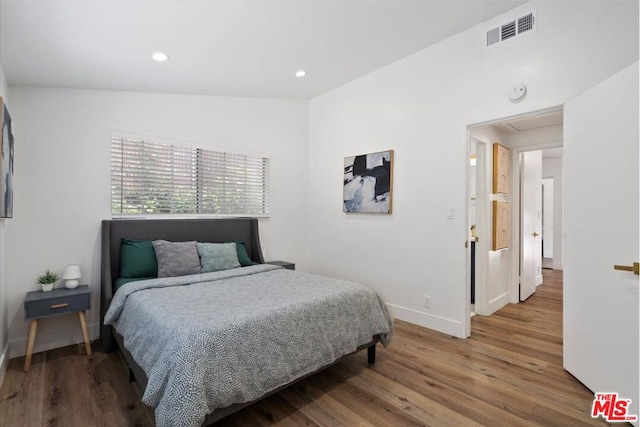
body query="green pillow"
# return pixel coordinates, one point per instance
(218, 256)
(137, 259)
(243, 256)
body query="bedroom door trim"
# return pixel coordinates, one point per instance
(482, 223)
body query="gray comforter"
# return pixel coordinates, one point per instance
(210, 340)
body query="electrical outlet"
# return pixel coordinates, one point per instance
(426, 301)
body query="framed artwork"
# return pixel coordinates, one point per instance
(6, 165)
(500, 169)
(501, 225)
(368, 183)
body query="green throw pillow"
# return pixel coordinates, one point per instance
(137, 259)
(243, 256)
(218, 256)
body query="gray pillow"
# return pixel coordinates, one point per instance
(218, 256)
(176, 258)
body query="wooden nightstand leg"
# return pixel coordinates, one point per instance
(30, 343)
(85, 333)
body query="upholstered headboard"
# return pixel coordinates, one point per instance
(175, 230)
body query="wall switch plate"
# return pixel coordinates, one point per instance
(451, 212)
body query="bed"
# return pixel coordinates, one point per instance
(203, 346)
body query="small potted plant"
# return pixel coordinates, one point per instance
(47, 280)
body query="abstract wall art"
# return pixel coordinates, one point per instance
(6, 166)
(500, 169)
(501, 225)
(368, 183)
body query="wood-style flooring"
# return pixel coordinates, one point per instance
(509, 373)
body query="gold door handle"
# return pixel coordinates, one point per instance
(635, 268)
(54, 306)
(534, 234)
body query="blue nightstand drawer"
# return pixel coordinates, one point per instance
(59, 301)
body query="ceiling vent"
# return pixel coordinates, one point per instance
(512, 29)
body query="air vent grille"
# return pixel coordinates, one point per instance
(508, 30)
(493, 36)
(511, 29)
(525, 23)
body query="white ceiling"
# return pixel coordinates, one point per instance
(536, 123)
(530, 123)
(229, 48)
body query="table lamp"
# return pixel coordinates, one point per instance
(72, 276)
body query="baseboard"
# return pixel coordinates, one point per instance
(557, 266)
(4, 363)
(440, 324)
(497, 303)
(53, 340)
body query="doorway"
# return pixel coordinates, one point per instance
(498, 273)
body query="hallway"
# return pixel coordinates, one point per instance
(527, 339)
(509, 372)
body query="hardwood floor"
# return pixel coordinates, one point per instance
(508, 373)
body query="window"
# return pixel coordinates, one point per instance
(150, 178)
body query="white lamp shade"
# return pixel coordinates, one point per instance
(71, 272)
(71, 276)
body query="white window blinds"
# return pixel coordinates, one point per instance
(156, 178)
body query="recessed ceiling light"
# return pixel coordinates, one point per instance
(301, 73)
(159, 56)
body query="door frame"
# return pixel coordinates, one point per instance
(514, 288)
(483, 226)
(550, 181)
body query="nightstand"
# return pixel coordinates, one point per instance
(38, 305)
(286, 264)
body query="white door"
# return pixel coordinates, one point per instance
(531, 222)
(601, 229)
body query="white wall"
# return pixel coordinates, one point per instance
(4, 307)
(552, 168)
(4, 87)
(420, 106)
(62, 180)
